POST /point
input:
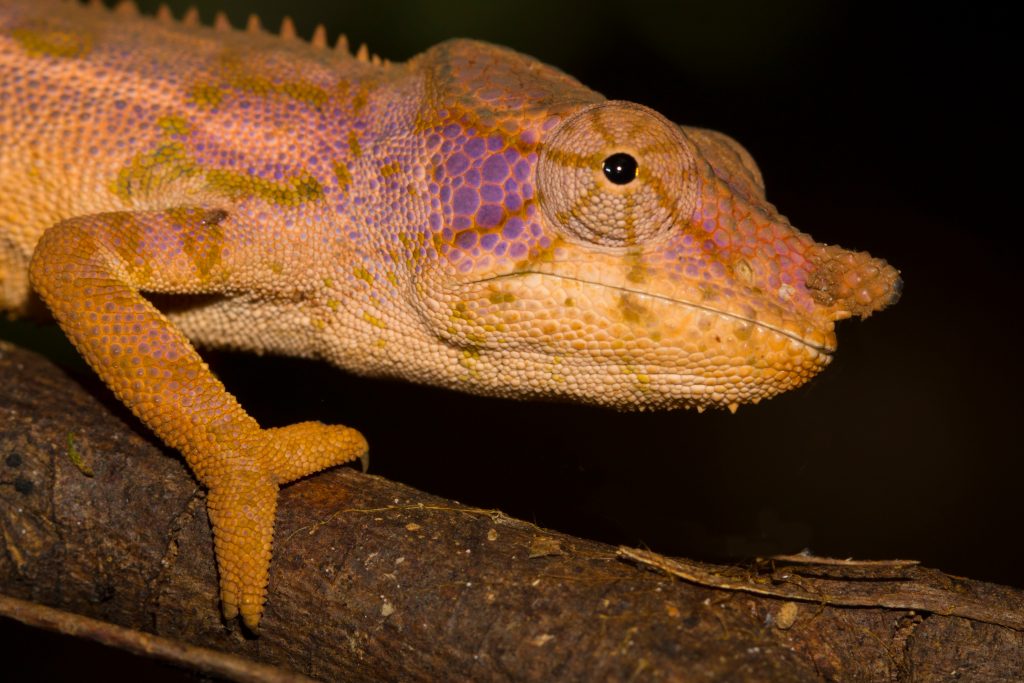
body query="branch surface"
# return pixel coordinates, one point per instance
(373, 580)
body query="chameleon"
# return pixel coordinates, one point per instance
(471, 218)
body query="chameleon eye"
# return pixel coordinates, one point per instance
(620, 168)
(616, 174)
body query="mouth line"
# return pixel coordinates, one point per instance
(661, 297)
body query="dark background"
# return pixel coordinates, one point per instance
(878, 129)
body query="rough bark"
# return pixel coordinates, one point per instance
(373, 580)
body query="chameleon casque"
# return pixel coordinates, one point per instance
(472, 218)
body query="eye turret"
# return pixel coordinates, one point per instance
(616, 174)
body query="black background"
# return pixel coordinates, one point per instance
(881, 129)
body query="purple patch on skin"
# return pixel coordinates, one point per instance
(473, 177)
(511, 155)
(446, 194)
(452, 130)
(513, 228)
(475, 147)
(456, 164)
(434, 221)
(513, 202)
(466, 240)
(527, 191)
(462, 223)
(465, 201)
(709, 225)
(489, 215)
(501, 249)
(510, 185)
(489, 240)
(433, 140)
(495, 169)
(491, 192)
(438, 173)
(528, 137)
(518, 250)
(495, 142)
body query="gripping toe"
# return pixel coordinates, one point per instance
(242, 512)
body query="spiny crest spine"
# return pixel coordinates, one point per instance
(221, 22)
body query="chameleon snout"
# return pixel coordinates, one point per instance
(852, 282)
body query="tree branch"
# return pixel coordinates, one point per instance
(373, 580)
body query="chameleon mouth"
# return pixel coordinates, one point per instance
(824, 349)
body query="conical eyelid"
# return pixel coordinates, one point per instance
(586, 206)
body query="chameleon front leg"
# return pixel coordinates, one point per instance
(89, 271)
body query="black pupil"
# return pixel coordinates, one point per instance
(620, 168)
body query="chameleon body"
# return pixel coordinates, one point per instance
(472, 218)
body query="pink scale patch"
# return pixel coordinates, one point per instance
(456, 164)
(475, 148)
(490, 192)
(489, 215)
(466, 240)
(465, 201)
(495, 169)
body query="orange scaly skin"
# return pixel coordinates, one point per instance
(472, 219)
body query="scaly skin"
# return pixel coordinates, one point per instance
(447, 220)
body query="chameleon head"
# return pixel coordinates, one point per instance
(610, 256)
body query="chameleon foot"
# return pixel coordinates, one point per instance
(242, 515)
(242, 503)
